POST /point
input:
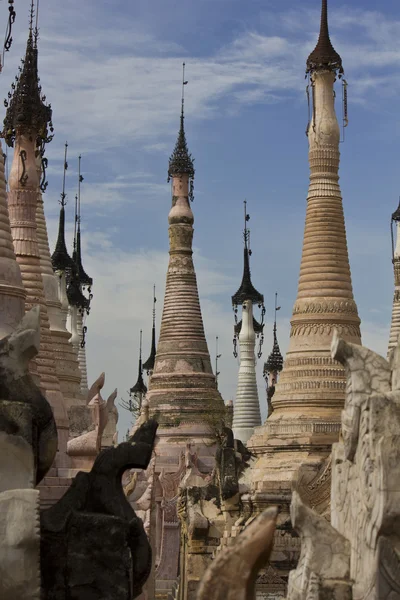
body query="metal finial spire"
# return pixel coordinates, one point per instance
(31, 16)
(324, 56)
(27, 113)
(149, 364)
(154, 305)
(217, 357)
(84, 278)
(246, 232)
(184, 82)
(139, 387)
(63, 194)
(247, 291)
(181, 161)
(60, 259)
(275, 359)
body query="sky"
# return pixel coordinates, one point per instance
(112, 72)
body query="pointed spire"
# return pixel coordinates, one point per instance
(246, 290)
(275, 359)
(26, 111)
(60, 259)
(181, 161)
(149, 364)
(324, 56)
(83, 277)
(140, 386)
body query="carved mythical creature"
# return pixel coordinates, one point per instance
(359, 555)
(92, 543)
(232, 574)
(24, 411)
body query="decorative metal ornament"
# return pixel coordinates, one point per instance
(11, 20)
(24, 175)
(43, 182)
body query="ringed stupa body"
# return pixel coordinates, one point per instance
(295, 442)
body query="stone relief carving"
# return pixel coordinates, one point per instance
(95, 417)
(365, 491)
(28, 445)
(233, 573)
(342, 307)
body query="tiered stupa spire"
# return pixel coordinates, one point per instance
(312, 384)
(246, 414)
(26, 127)
(182, 392)
(395, 325)
(310, 393)
(149, 364)
(182, 387)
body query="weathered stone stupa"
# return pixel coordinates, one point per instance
(310, 393)
(26, 127)
(182, 388)
(395, 325)
(295, 442)
(182, 391)
(246, 414)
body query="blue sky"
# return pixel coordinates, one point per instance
(112, 72)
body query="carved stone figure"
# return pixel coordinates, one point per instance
(25, 414)
(358, 555)
(232, 574)
(92, 543)
(28, 445)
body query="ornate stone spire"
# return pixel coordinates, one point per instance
(324, 56)
(182, 387)
(149, 364)
(395, 325)
(246, 414)
(26, 124)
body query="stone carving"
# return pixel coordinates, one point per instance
(28, 445)
(92, 543)
(25, 412)
(232, 574)
(324, 563)
(365, 492)
(90, 422)
(304, 307)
